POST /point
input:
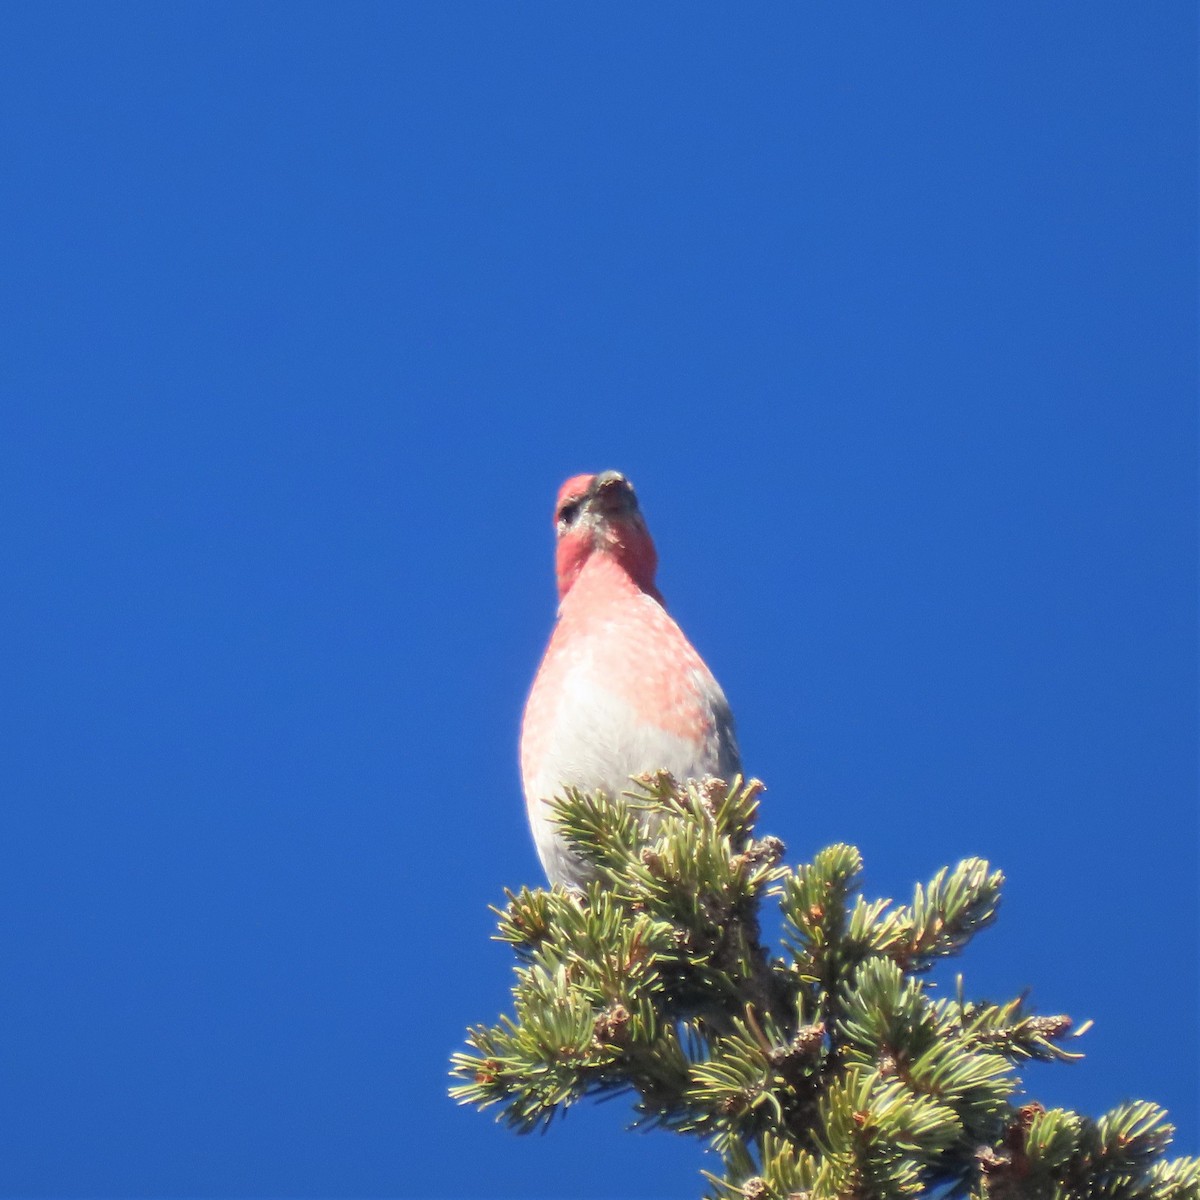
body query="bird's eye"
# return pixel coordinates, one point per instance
(569, 511)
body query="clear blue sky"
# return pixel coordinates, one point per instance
(889, 312)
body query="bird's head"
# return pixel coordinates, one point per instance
(599, 514)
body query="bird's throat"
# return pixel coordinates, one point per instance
(611, 570)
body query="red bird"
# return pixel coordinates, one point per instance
(620, 690)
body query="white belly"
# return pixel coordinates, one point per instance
(594, 740)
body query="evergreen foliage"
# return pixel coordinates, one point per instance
(830, 1072)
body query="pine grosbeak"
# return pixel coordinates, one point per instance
(620, 690)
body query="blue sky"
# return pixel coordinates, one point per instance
(889, 313)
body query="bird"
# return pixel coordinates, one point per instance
(620, 690)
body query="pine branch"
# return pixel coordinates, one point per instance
(830, 1072)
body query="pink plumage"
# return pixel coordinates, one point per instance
(620, 690)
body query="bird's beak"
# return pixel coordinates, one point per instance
(611, 494)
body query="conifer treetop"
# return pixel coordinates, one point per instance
(830, 1070)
